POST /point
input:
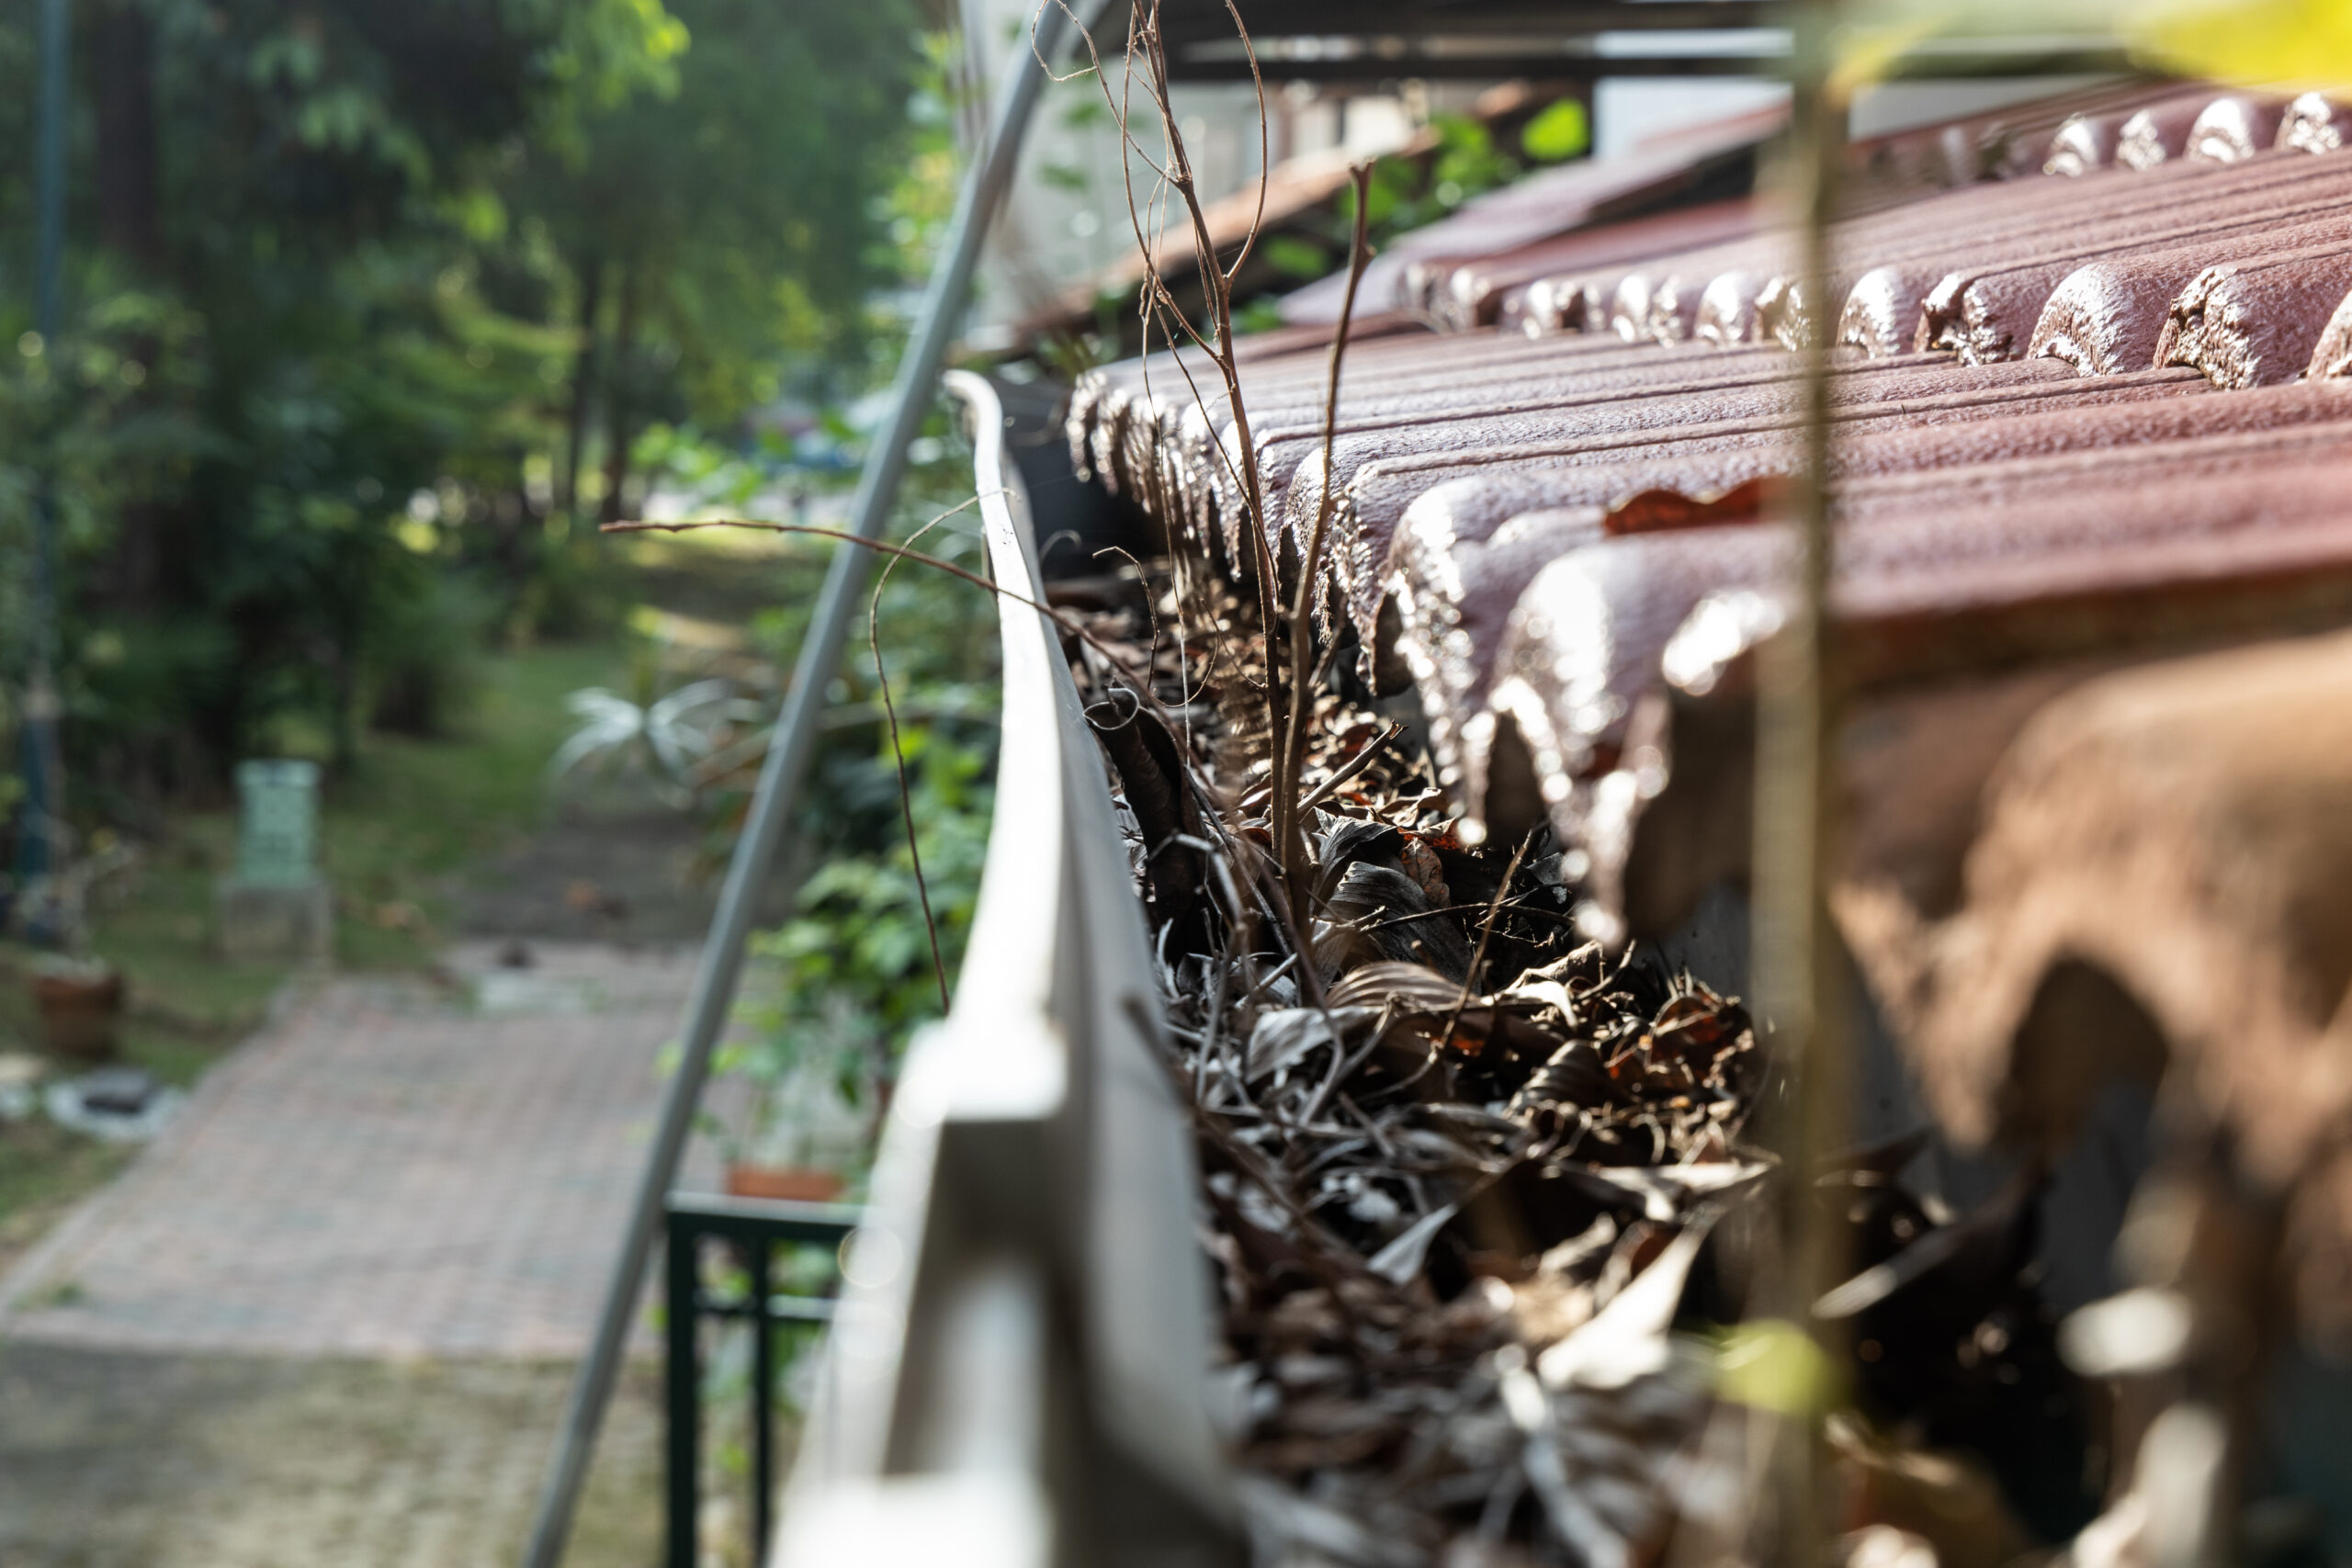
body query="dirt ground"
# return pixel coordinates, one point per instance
(600, 873)
(611, 874)
(255, 1463)
(602, 870)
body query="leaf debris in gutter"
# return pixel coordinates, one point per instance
(1486, 1222)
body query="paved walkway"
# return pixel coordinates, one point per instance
(330, 1316)
(394, 1168)
(119, 1459)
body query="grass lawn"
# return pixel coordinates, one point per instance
(43, 1168)
(397, 837)
(400, 833)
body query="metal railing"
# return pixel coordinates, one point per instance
(751, 1229)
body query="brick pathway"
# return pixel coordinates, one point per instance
(390, 1170)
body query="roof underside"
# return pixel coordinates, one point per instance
(1579, 39)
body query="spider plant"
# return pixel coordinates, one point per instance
(645, 732)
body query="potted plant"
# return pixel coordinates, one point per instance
(78, 997)
(79, 1001)
(804, 1125)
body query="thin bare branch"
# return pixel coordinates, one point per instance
(1485, 932)
(1289, 745)
(899, 752)
(1265, 146)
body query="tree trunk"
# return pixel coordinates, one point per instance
(616, 396)
(130, 216)
(343, 685)
(146, 569)
(130, 225)
(583, 386)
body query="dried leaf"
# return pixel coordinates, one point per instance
(1627, 1338)
(1402, 1259)
(1287, 1037)
(1408, 988)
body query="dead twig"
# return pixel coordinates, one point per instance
(899, 752)
(1485, 933)
(1348, 770)
(1290, 742)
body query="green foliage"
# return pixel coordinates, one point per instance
(1561, 131)
(608, 50)
(856, 963)
(576, 588)
(1262, 314)
(301, 309)
(1294, 256)
(425, 630)
(735, 218)
(855, 971)
(1466, 160)
(918, 203)
(1406, 193)
(307, 422)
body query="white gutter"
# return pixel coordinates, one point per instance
(1016, 1372)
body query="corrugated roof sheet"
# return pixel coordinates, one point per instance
(1552, 203)
(2089, 424)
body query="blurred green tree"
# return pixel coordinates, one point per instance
(721, 231)
(336, 269)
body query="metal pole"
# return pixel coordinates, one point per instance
(1799, 973)
(682, 1392)
(41, 851)
(760, 1252)
(787, 759)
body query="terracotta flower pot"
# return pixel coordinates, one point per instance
(78, 1010)
(793, 1182)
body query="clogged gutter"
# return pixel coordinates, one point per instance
(1495, 1245)
(1455, 1210)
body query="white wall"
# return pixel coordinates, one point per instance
(1051, 237)
(1629, 110)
